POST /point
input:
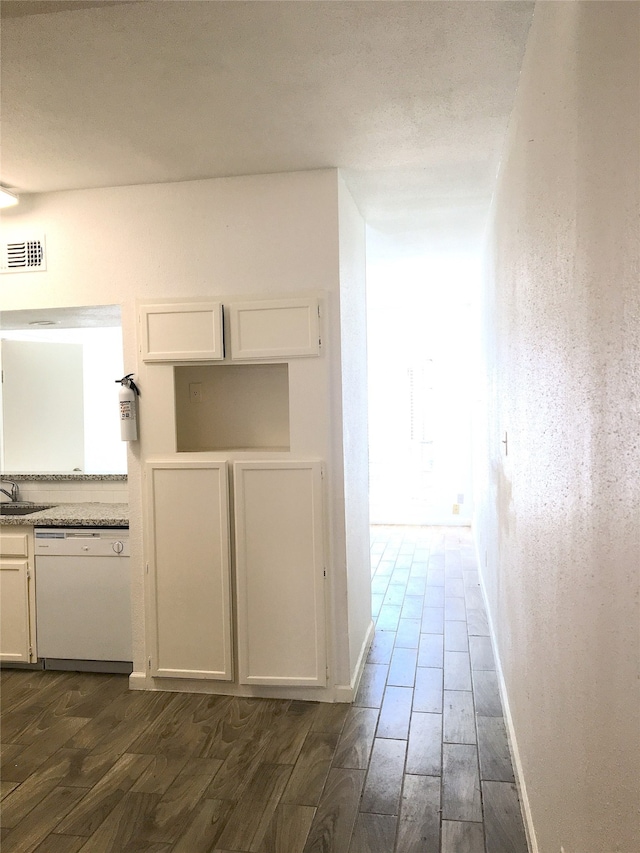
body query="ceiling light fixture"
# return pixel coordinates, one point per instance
(42, 323)
(7, 198)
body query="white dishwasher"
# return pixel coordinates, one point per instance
(83, 599)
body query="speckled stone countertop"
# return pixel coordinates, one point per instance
(54, 478)
(74, 515)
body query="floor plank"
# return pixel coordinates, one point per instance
(419, 824)
(402, 671)
(434, 597)
(6, 788)
(288, 830)
(459, 717)
(207, 822)
(481, 653)
(382, 647)
(460, 783)
(332, 825)
(486, 693)
(61, 844)
(95, 804)
(372, 684)
(41, 820)
(456, 638)
(60, 769)
(306, 782)
(432, 620)
(119, 829)
(373, 833)
(431, 650)
(462, 837)
(384, 780)
(454, 610)
(495, 758)
(170, 813)
(236, 771)
(457, 671)
(252, 814)
(42, 746)
(424, 752)
(504, 829)
(408, 633)
(356, 741)
(427, 694)
(395, 713)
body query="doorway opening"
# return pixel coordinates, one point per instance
(422, 318)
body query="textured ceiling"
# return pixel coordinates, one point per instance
(410, 98)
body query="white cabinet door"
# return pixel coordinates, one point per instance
(187, 331)
(17, 599)
(188, 552)
(278, 328)
(280, 573)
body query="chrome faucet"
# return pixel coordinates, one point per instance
(13, 494)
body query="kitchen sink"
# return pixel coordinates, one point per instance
(21, 508)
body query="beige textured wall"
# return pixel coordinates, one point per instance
(558, 523)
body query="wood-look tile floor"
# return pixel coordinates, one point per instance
(418, 764)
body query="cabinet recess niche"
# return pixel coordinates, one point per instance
(232, 407)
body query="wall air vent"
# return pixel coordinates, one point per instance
(26, 255)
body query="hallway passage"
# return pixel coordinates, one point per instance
(419, 764)
(440, 775)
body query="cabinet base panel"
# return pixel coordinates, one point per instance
(337, 693)
(13, 664)
(67, 665)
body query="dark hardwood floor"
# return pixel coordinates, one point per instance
(418, 764)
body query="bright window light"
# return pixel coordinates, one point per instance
(7, 198)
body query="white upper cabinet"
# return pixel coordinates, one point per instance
(193, 331)
(277, 328)
(187, 331)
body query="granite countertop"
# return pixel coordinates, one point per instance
(63, 476)
(74, 515)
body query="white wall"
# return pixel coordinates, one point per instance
(558, 521)
(353, 422)
(263, 235)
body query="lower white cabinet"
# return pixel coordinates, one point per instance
(17, 595)
(280, 573)
(189, 570)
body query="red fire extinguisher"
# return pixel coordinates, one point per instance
(128, 415)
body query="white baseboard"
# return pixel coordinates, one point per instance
(347, 693)
(139, 681)
(344, 693)
(511, 734)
